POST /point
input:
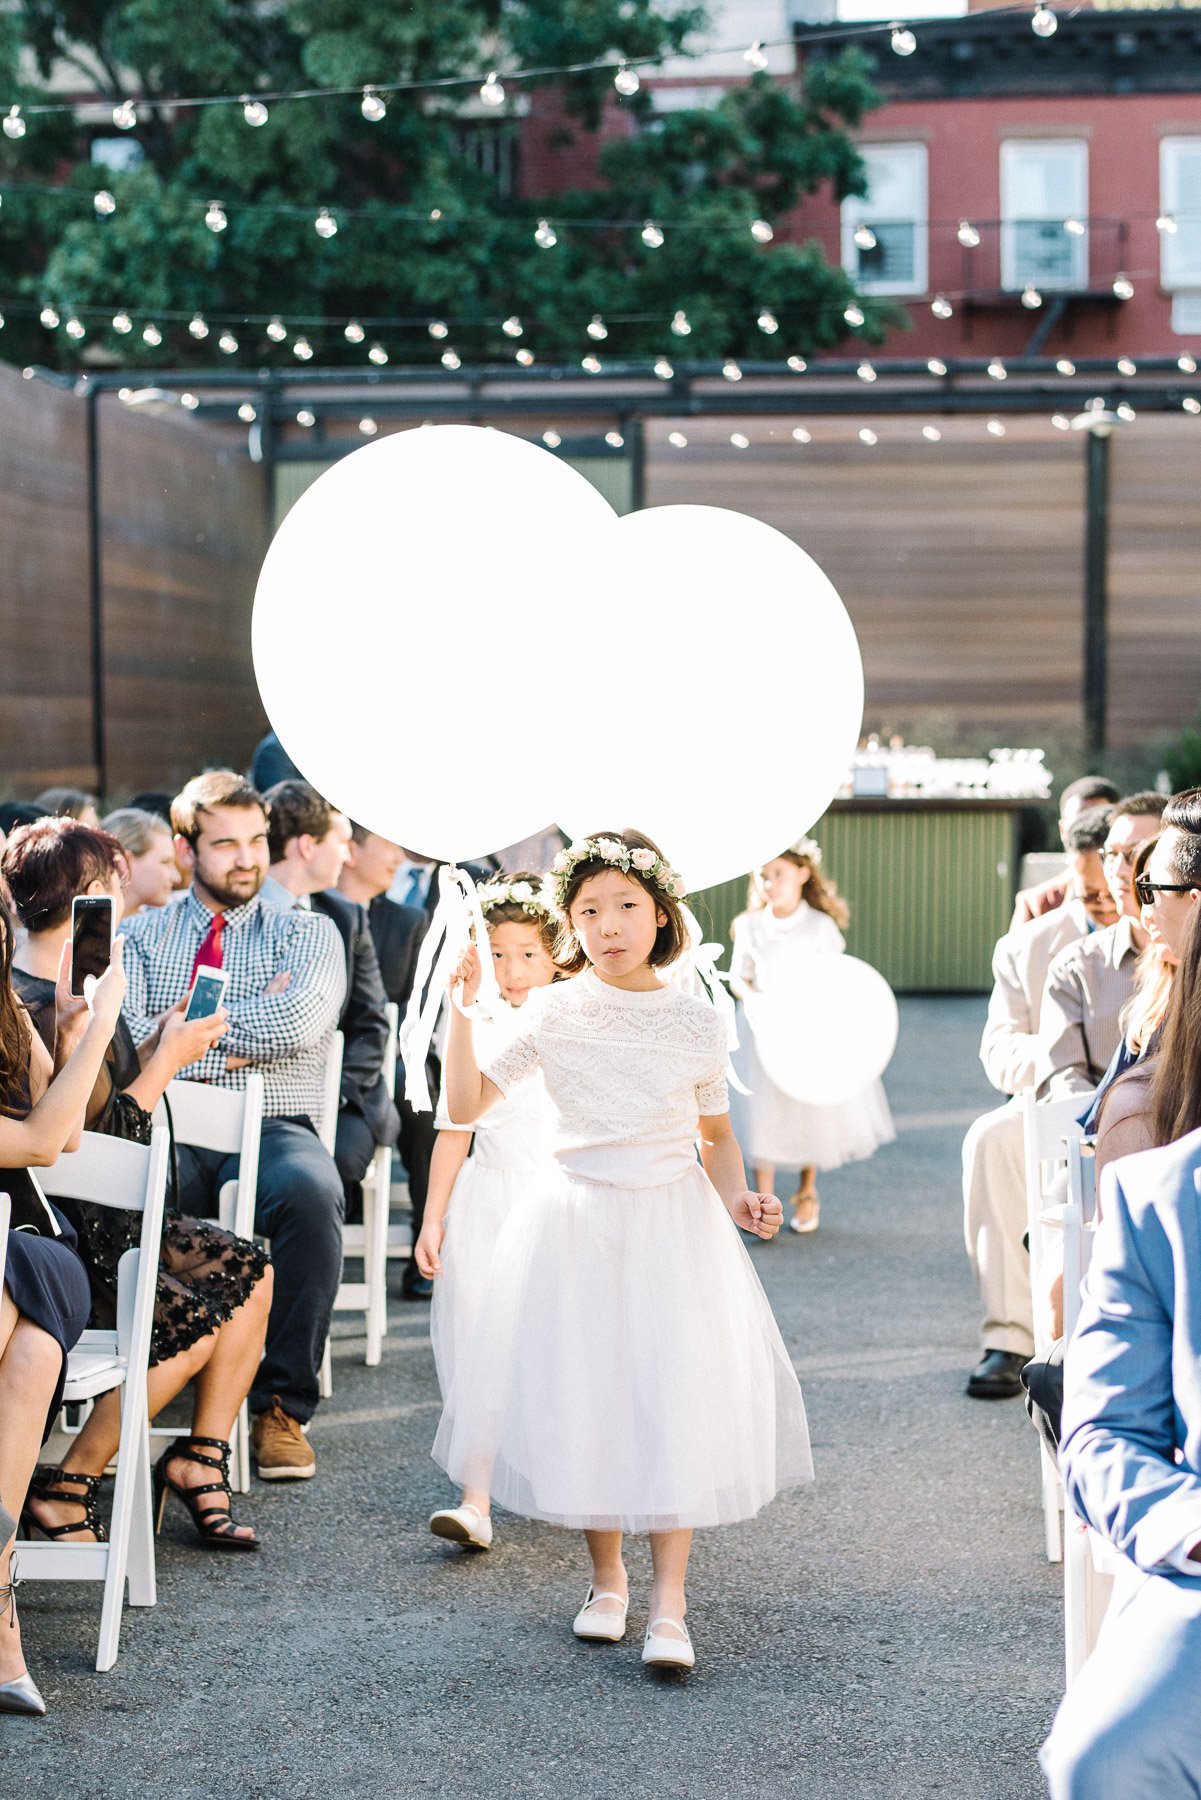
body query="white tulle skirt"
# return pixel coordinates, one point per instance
(625, 1370)
(774, 1128)
(483, 1198)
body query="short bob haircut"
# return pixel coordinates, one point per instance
(47, 864)
(216, 787)
(294, 809)
(671, 939)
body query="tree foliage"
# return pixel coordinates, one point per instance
(424, 230)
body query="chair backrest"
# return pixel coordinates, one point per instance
(333, 1093)
(6, 1208)
(1048, 1127)
(215, 1118)
(390, 1049)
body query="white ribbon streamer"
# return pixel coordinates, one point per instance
(458, 917)
(700, 960)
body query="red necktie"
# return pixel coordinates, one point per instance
(209, 954)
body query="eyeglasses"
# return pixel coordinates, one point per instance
(1145, 891)
(1124, 853)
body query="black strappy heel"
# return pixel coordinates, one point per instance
(47, 1485)
(215, 1525)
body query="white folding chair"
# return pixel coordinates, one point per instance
(230, 1121)
(1047, 1127)
(328, 1132)
(108, 1171)
(369, 1241)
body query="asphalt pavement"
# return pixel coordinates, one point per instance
(893, 1631)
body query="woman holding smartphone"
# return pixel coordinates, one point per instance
(214, 1289)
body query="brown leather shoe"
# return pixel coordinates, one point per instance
(281, 1450)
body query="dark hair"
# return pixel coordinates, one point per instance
(294, 809)
(15, 1038)
(670, 939)
(153, 802)
(1175, 1099)
(511, 912)
(47, 864)
(1088, 830)
(1089, 787)
(63, 802)
(216, 787)
(1183, 814)
(18, 812)
(1143, 805)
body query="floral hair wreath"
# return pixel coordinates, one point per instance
(808, 847)
(530, 899)
(619, 856)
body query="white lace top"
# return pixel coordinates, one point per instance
(628, 1075)
(518, 1132)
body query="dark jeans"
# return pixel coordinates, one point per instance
(299, 1207)
(416, 1147)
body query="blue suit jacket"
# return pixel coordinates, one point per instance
(1131, 1445)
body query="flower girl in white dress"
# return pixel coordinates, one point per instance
(627, 1373)
(471, 1195)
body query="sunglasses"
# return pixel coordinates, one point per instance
(1145, 891)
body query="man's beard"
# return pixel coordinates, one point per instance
(227, 895)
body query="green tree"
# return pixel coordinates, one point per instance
(424, 232)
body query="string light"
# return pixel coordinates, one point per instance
(865, 372)
(797, 364)
(353, 332)
(768, 323)
(1166, 222)
(546, 237)
(196, 326)
(936, 366)
(1125, 412)
(995, 428)
(1127, 366)
(215, 217)
(306, 417)
(967, 234)
(868, 436)
(247, 413)
(551, 439)
(1044, 24)
(512, 326)
(48, 317)
(800, 435)
(663, 368)
(1061, 421)
(590, 364)
(902, 40)
(1066, 366)
(679, 323)
(438, 328)
(254, 112)
(931, 433)
(122, 323)
(152, 335)
(614, 440)
(74, 328)
(373, 108)
(14, 124)
(1074, 227)
(104, 203)
(325, 224)
(190, 401)
(1187, 364)
(1031, 298)
(525, 358)
(277, 331)
(227, 343)
(740, 441)
(756, 57)
(596, 328)
(125, 116)
(941, 307)
(626, 81)
(368, 427)
(677, 440)
(492, 92)
(652, 237)
(854, 315)
(864, 237)
(997, 369)
(377, 355)
(731, 370)
(451, 359)
(761, 231)
(303, 349)
(1123, 287)
(1190, 404)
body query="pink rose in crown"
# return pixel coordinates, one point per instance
(644, 860)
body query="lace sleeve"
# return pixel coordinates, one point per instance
(712, 1091)
(516, 1063)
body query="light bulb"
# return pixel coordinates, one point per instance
(756, 57)
(254, 112)
(1066, 366)
(761, 231)
(1061, 421)
(512, 326)
(768, 322)
(1031, 298)
(277, 331)
(196, 326)
(865, 237)
(902, 40)
(190, 401)
(797, 364)
(731, 371)
(1166, 222)
(122, 323)
(652, 237)
(104, 203)
(740, 441)
(591, 364)
(1044, 24)
(14, 124)
(125, 116)
(377, 355)
(679, 323)
(152, 335)
(941, 307)
(1187, 364)
(853, 315)
(663, 368)
(227, 343)
(546, 237)
(1125, 411)
(325, 224)
(373, 107)
(614, 440)
(215, 217)
(525, 358)
(368, 427)
(1123, 287)
(1191, 405)
(435, 214)
(74, 328)
(438, 328)
(931, 433)
(306, 418)
(997, 369)
(1127, 366)
(492, 92)
(353, 332)
(800, 435)
(1074, 227)
(451, 359)
(868, 436)
(936, 366)
(626, 81)
(967, 234)
(865, 372)
(995, 428)
(303, 349)
(49, 317)
(551, 439)
(247, 413)
(677, 440)
(596, 328)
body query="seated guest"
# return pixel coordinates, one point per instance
(284, 997)
(18, 812)
(1079, 796)
(214, 1289)
(149, 847)
(994, 1184)
(1091, 980)
(68, 803)
(44, 1299)
(308, 842)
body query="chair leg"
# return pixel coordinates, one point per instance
(374, 1265)
(118, 1541)
(240, 1460)
(141, 1568)
(1052, 1500)
(325, 1386)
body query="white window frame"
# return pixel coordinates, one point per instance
(1174, 274)
(857, 210)
(1014, 278)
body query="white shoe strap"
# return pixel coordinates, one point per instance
(676, 1624)
(604, 1594)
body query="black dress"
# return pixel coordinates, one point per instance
(205, 1273)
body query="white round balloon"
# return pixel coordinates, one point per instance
(827, 1027)
(730, 691)
(409, 613)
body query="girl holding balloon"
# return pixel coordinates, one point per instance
(794, 910)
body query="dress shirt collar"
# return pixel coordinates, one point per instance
(1121, 941)
(203, 916)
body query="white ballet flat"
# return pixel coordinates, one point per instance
(598, 1627)
(660, 1652)
(465, 1525)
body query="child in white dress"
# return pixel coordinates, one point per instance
(792, 903)
(470, 1195)
(627, 1373)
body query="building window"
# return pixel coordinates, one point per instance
(491, 146)
(1180, 200)
(1043, 184)
(894, 214)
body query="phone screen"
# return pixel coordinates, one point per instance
(91, 937)
(207, 994)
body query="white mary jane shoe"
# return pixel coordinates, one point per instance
(601, 1627)
(662, 1652)
(465, 1525)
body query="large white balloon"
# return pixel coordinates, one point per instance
(721, 695)
(826, 1028)
(410, 616)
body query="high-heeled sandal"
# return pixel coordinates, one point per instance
(215, 1525)
(21, 1696)
(47, 1484)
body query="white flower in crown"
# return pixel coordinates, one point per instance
(619, 856)
(522, 891)
(808, 847)
(612, 851)
(643, 860)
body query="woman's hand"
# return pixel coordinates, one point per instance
(106, 995)
(761, 1214)
(184, 1041)
(467, 974)
(71, 1013)
(426, 1249)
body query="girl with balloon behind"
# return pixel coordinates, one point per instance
(627, 1373)
(794, 909)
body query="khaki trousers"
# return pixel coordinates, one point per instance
(994, 1225)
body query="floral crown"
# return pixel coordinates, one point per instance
(525, 894)
(809, 847)
(619, 856)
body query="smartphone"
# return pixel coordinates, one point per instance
(208, 991)
(91, 937)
